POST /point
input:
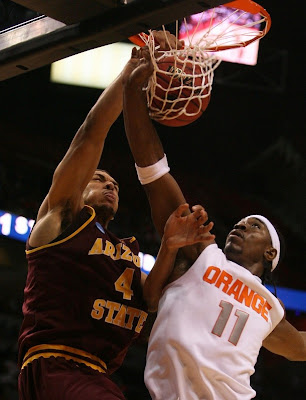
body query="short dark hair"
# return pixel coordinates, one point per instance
(268, 277)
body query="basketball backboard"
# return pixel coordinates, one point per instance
(63, 29)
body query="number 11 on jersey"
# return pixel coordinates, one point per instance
(223, 318)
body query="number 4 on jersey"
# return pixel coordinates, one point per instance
(124, 282)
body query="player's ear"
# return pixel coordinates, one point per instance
(270, 253)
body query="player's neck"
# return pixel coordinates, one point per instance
(104, 215)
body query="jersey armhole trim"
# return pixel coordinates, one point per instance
(93, 214)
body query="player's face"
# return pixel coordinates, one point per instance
(102, 190)
(248, 242)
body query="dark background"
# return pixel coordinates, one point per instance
(245, 155)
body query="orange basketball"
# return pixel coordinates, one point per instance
(176, 83)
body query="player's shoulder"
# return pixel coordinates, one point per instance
(132, 243)
(57, 224)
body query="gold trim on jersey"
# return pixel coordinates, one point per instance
(93, 214)
(67, 352)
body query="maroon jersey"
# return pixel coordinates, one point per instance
(83, 290)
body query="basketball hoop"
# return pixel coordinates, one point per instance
(232, 25)
(227, 31)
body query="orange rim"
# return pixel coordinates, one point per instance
(253, 8)
(245, 5)
(136, 39)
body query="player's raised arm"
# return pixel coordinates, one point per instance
(162, 190)
(180, 230)
(79, 163)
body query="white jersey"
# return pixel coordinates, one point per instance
(208, 332)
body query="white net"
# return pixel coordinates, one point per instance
(181, 82)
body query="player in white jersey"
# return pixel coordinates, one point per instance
(214, 314)
(207, 349)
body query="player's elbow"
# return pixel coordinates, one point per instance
(95, 127)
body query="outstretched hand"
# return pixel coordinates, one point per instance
(183, 230)
(167, 41)
(139, 68)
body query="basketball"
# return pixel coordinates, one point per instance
(179, 91)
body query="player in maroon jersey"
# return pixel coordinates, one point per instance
(83, 303)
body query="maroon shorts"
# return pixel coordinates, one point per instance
(57, 378)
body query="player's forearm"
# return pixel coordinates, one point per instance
(301, 351)
(147, 151)
(287, 341)
(87, 145)
(144, 142)
(106, 110)
(159, 275)
(297, 352)
(83, 156)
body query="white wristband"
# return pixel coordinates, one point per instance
(152, 172)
